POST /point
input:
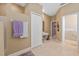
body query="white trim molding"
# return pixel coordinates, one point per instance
(20, 52)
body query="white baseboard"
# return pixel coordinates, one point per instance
(20, 52)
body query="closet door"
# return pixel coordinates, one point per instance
(53, 29)
(1, 39)
(36, 30)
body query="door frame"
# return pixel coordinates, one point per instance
(51, 28)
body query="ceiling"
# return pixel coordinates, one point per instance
(51, 8)
(48, 8)
(22, 4)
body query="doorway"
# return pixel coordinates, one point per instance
(53, 29)
(69, 30)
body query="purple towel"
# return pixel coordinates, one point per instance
(17, 28)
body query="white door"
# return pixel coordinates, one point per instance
(63, 29)
(36, 30)
(78, 29)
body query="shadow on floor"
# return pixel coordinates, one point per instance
(29, 53)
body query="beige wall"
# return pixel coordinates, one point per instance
(14, 7)
(13, 12)
(67, 9)
(47, 23)
(1, 37)
(13, 44)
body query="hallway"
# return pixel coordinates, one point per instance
(55, 48)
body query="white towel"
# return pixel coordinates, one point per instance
(25, 30)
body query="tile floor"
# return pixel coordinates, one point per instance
(57, 48)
